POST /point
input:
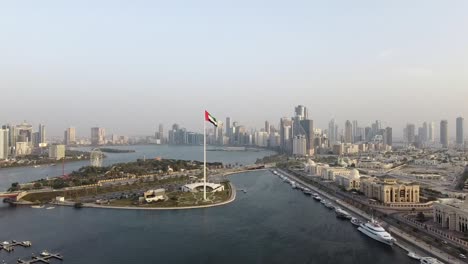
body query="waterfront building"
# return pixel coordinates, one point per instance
(451, 213)
(300, 146)
(98, 136)
(348, 132)
(56, 152)
(349, 181)
(390, 191)
(460, 135)
(261, 138)
(4, 146)
(23, 148)
(444, 133)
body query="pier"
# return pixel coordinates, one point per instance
(44, 258)
(10, 246)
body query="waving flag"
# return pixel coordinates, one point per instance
(211, 119)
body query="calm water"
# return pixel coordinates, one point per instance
(27, 174)
(270, 224)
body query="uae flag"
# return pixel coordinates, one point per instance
(211, 119)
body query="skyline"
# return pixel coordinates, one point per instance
(151, 63)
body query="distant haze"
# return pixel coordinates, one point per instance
(130, 65)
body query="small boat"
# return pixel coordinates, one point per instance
(429, 260)
(323, 201)
(340, 213)
(37, 206)
(317, 198)
(26, 243)
(37, 166)
(45, 253)
(50, 208)
(356, 221)
(414, 255)
(308, 193)
(329, 205)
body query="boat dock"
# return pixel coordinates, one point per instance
(10, 246)
(41, 259)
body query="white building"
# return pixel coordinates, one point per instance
(56, 152)
(210, 187)
(299, 146)
(155, 195)
(349, 181)
(4, 144)
(451, 214)
(261, 139)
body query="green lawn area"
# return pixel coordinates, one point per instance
(182, 199)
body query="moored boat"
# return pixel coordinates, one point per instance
(414, 255)
(429, 260)
(340, 213)
(375, 231)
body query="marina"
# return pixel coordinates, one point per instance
(10, 246)
(44, 257)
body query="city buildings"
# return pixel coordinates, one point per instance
(70, 136)
(444, 133)
(390, 191)
(4, 146)
(299, 146)
(348, 132)
(98, 136)
(452, 214)
(460, 140)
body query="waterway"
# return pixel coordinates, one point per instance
(271, 223)
(27, 174)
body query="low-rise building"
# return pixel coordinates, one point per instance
(452, 214)
(155, 195)
(349, 181)
(390, 191)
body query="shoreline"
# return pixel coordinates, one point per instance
(409, 241)
(231, 199)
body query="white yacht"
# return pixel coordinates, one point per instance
(414, 256)
(429, 260)
(373, 230)
(340, 213)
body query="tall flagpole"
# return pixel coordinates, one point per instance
(204, 159)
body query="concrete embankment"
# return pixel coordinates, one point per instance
(409, 241)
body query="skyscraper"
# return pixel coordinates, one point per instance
(286, 134)
(388, 138)
(308, 127)
(228, 127)
(348, 132)
(410, 133)
(431, 132)
(355, 131)
(98, 135)
(331, 132)
(460, 134)
(42, 134)
(444, 133)
(4, 146)
(267, 127)
(70, 136)
(301, 112)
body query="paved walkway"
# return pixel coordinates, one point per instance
(412, 240)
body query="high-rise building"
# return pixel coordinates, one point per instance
(299, 146)
(424, 137)
(286, 125)
(460, 134)
(444, 133)
(331, 133)
(431, 132)
(267, 127)
(70, 136)
(388, 138)
(308, 127)
(301, 112)
(4, 146)
(98, 136)
(42, 134)
(410, 133)
(355, 131)
(348, 132)
(228, 127)
(24, 132)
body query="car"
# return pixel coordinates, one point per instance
(462, 256)
(444, 242)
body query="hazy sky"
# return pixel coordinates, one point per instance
(129, 65)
